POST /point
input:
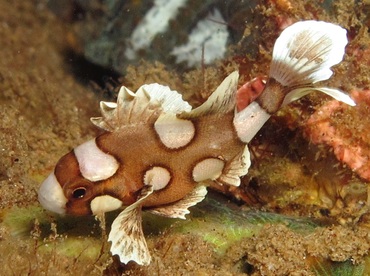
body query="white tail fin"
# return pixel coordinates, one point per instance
(305, 51)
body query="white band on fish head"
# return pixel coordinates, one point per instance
(51, 195)
(95, 164)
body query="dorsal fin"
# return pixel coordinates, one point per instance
(170, 100)
(139, 107)
(222, 100)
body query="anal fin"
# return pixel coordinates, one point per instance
(126, 234)
(180, 208)
(235, 169)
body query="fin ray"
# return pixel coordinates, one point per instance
(235, 169)
(180, 208)
(126, 235)
(136, 108)
(305, 51)
(222, 100)
(335, 93)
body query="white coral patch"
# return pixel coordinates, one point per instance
(208, 169)
(211, 34)
(173, 132)
(95, 164)
(157, 177)
(155, 21)
(104, 203)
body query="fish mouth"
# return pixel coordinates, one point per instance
(51, 195)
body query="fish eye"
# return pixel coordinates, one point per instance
(79, 193)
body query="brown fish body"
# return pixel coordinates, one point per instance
(139, 148)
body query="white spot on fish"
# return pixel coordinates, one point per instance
(208, 169)
(104, 203)
(173, 132)
(157, 177)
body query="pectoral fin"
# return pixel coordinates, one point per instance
(126, 235)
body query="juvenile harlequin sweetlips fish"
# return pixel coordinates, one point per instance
(158, 154)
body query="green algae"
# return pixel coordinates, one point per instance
(74, 247)
(213, 220)
(20, 221)
(326, 268)
(222, 224)
(70, 237)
